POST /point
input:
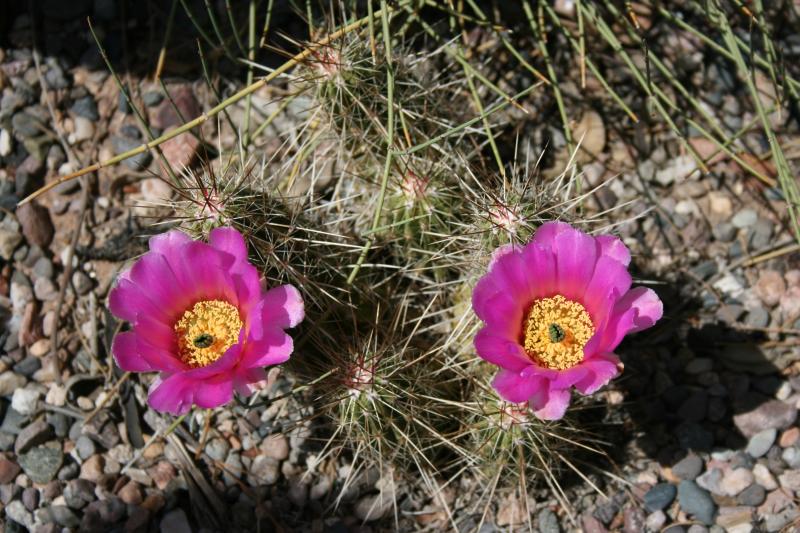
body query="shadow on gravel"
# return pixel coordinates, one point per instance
(132, 33)
(694, 384)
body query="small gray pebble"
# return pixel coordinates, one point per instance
(659, 497)
(152, 98)
(689, 467)
(744, 218)
(85, 107)
(85, 447)
(696, 502)
(753, 495)
(791, 456)
(757, 318)
(760, 443)
(705, 270)
(724, 232)
(548, 521)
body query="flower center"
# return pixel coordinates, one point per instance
(206, 331)
(555, 332)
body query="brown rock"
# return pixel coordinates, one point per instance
(154, 451)
(591, 133)
(769, 287)
(180, 151)
(790, 304)
(154, 502)
(92, 468)
(510, 512)
(32, 435)
(275, 446)
(30, 330)
(8, 471)
(789, 437)
(162, 474)
(592, 524)
(131, 493)
(768, 415)
(183, 99)
(776, 501)
(36, 224)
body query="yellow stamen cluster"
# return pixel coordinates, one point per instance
(555, 332)
(206, 331)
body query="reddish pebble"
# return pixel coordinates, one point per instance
(131, 493)
(789, 437)
(8, 471)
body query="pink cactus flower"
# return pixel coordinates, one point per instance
(201, 319)
(554, 311)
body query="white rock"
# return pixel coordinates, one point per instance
(25, 401)
(680, 167)
(56, 395)
(736, 481)
(764, 477)
(729, 286)
(84, 130)
(16, 511)
(374, 507)
(10, 237)
(321, 487)
(156, 190)
(5, 142)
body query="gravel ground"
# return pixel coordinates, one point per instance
(702, 431)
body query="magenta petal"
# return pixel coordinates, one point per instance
(639, 309)
(156, 332)
(247, 287)
(500, 351)
(548, 231)
(134, 353)
(511, 276)
(600, 371)
(244, 276)
(154, 276)
(614, 248)
(576, 256)
(551, 404)
(503, 314)
(173, 394)
(273, 348)
(282, 307)
(224, 364)
(648, 306)
(497, 308)
(563, 379)
(206, 271)
(230, 241)
(541, 267)
(502, 250)
(512, 387)
(166, 242)
(127, 300)
(213, 392)
(484, 290)
(609, 281)
(244, 380)
(126, 352)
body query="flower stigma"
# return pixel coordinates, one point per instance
(555, 332)
(206, 331)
